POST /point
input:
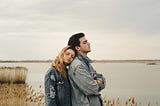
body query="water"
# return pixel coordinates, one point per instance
(124, 80)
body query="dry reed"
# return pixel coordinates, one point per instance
(25, 95)
(20, 95)
(129, 102)
(13, 74)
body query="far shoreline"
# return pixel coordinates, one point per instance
(156, 61)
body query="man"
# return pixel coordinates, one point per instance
(85, 82)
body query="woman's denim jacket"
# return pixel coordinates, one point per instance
(85, 90)
(57, 89)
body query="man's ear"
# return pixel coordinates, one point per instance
(77, 48)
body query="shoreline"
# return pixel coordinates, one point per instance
(149, 61)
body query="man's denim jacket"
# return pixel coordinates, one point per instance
(84, 89)
(57, 89)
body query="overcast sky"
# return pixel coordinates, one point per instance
(116, 29)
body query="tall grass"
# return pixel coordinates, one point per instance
(14, 91)
(128, 102)
(13, 74)
(20, 95)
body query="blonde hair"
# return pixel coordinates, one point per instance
(58, 61)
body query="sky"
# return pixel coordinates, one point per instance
(116, 29)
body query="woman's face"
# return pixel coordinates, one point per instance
(68, 56)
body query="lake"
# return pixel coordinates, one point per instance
(124, 80)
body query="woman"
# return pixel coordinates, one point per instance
(57, 86)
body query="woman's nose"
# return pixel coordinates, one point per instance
(69, 56)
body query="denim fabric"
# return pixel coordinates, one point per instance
(57, 89)
(85, 90)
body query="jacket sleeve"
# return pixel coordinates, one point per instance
(102, 86)
(50, 92)
(83, 80)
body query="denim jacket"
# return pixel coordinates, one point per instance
(57, 89)
(85, 90)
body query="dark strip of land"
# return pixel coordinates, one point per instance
(97, 61)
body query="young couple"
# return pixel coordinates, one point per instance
(76, 85)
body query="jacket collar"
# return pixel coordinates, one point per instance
(85, 59)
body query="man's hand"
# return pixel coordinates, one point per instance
(99, 82)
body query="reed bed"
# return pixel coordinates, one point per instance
(129, 102)
(25, 95)
(16, 74)
(20, 95)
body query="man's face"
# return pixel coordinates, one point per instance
(84, 45)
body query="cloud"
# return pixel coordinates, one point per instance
(104, 15)
(110, 25)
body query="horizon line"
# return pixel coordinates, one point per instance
(94, 60)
